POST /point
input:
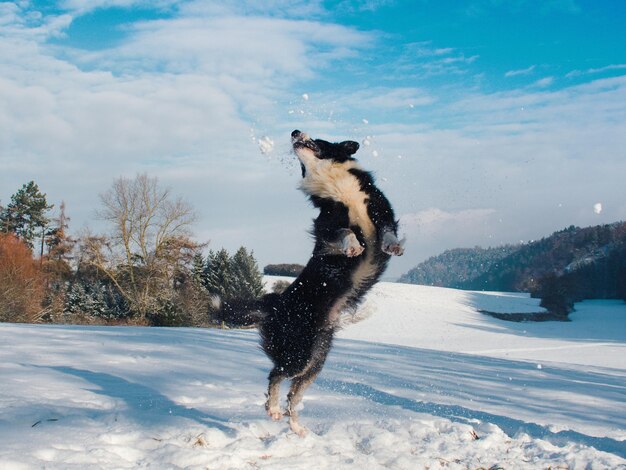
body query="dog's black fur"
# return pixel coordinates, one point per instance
(355, 235)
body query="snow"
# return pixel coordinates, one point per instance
(447, 320)
(423, 380)
(597, 207)
(266, 145)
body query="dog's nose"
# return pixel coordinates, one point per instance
(295, 134)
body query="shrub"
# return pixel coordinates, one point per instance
(555, 294)
(21, 282)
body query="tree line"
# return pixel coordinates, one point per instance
(459, 267)
(147, 269)
(568, 266)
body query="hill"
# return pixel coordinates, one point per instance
(457, 268)
(463, 390)
(591, 261)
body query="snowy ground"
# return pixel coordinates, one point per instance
(425, 381)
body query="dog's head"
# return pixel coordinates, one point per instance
(310, 150)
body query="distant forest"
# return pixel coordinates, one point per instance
(570, 265)
(146, 269)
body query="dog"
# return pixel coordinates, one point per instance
(355, 235)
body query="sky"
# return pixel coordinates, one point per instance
(485, 121)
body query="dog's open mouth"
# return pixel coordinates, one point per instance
(301, 140)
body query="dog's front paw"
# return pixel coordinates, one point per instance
(391, 245)
(395, 249)
(351, 245)
(353, 251)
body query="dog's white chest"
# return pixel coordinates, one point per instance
(331, 180)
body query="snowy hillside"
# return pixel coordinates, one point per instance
(447, 320)
(451, 388)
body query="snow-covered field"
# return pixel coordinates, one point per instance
(423, 381)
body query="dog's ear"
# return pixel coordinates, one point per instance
(350, 146)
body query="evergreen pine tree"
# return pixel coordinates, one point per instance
(97, 298)
(74, 298)
(197, 269)
(26, 214)
(246, 275)
(218, 276)
(117, 303)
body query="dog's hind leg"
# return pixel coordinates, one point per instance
(298, 386)
(272, 405)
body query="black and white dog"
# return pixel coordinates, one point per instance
(355, 235)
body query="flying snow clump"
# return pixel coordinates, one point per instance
(266, 145)
(597, 208)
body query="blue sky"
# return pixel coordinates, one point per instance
(485, 121)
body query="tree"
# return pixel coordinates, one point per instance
(149, 237)
(21, 282)
(218, 275)
(75, 299)
(57, 240)
(26, 214)
(60, 247)
(291, 270)
(556, 296)
(198, 268)
(247, 276)
(176, 260)
(94, 299)
(232, 277)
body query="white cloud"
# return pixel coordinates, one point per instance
(81, 7)
(376, 99)
(245, 47)
(433, 230)
(599, 70)
(174, 87)
(272, 8)
(9, 14)
(543, 82)
(515, 73)
(434, 221)
(424, 60)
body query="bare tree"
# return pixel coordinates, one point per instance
(149, 228)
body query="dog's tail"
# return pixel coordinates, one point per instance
(237, 312)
